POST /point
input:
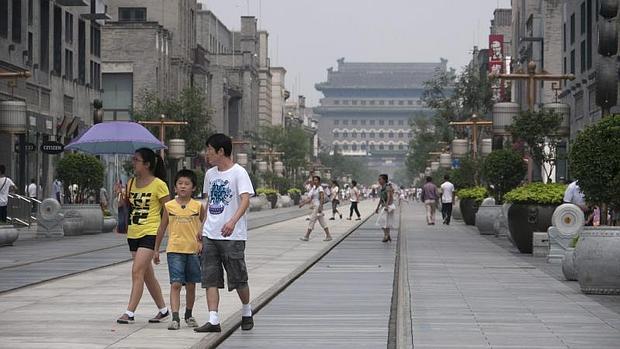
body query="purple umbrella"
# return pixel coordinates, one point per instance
(116, 137)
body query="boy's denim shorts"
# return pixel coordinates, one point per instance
(184, 268)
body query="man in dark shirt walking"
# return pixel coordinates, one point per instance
(429, 197)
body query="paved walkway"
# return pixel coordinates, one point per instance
(30, 261)
(79, 311)
(341, 302)
(469, 292)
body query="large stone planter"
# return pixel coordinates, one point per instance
(8, 235)
(568, 266)
(469, 207)
(524, 220)
(284, 201)
(258, 203)
(597, 257)
(82, 220)
(500, 227)
(456, 210)
(486, 217)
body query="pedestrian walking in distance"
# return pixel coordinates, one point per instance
(6, 186)
(447, 199)
(429, 198)
(182, 218)
(316, 197)
(148, 193)
(335, 190)
(386, 207)
(355, 199)
(228, 188)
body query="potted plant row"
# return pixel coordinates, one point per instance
(295, 194)
(271, 194)
(531, 211)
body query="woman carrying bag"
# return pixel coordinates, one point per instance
(147, 193)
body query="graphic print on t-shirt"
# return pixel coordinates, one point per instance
(140, 205)
(220, 195)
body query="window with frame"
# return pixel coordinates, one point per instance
(336, 134)
(372, 122)
(16, 22)
(68, 28)
(381, 135)
(572, 62)
(401, 147)
(372, 147)
(381, 146)
(583, 17)
(132, 14)
(391, 135)
(381, 122)
(363, 134)
(95, 40)
(572, 29)
(354, 147)
(372, 135)
(345, 122)
(400, 135)
(582, 58)
(336, 122)
(68, 65)
(345, 134)
(391, 122)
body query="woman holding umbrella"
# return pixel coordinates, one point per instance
(147, 193)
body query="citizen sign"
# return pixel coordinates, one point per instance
(51, 147)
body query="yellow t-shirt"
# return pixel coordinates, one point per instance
(145, 215)
(183, 226)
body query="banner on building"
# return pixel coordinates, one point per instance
(496, 63)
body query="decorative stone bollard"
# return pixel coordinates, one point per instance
(8, 235)
(456, 211)
(50, 219)
(82, 220)
(568, 221)
(540, 244)
(488, 213)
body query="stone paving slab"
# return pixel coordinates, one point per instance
(471, 291)
(341, 302)
(79, 311)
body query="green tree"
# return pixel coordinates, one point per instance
(189, 106)
(84, 170)
(503, 170)
(539, 131)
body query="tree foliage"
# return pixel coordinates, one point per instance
(189, 106)
(82, 169)
(503, 170)
(346, 165)
(595, 162)
(539, 131)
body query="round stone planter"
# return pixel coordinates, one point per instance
(568, 266)
(456, 210)
(109, 223)
(524, 220)
(257, 203)
(8, 236)
(82, 220)
(597, 257)
(486, 218)
(469, 207)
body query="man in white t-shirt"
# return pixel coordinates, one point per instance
(447, 199)
(573, 195)
(228, 188)
(6, 186)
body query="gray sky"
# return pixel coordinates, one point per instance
(307, 36)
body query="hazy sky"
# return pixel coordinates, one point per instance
(307, 36)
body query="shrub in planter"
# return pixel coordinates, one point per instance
(84, 170)
(503, 170)
(531, 211)
(470, 200)
(295, 194)
(271, 194)
(595, 162)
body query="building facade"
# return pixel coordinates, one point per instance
(148, 48)
(232, 81)
(579, 57)
(367, 108)
(279, 95)
(59, 43)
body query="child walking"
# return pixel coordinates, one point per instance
(182, 218)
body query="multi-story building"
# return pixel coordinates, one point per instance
(264, 81)
(59, 42)
(367, 108)
(579, 57)
(501, 24)
(536, 36)
(233, 75)
(279, 95)
(297, 114)
(148, 47)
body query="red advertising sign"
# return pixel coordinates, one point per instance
(496, 63)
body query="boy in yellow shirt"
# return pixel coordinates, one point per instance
(182, 218)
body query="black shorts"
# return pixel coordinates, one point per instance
(147, 241)
(220, 255)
